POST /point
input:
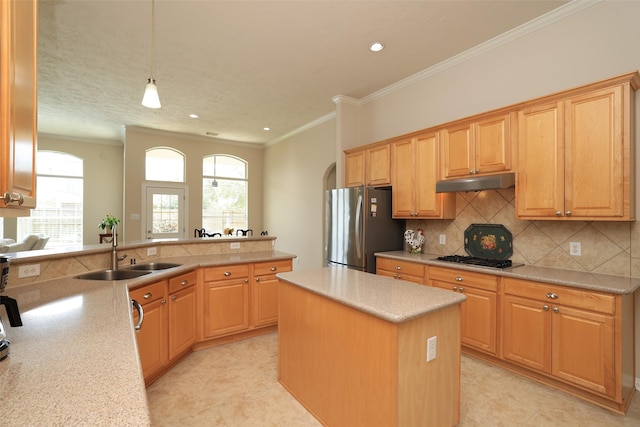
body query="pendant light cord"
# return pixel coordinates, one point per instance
(153, 37)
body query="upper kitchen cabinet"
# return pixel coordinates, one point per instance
(575, 154)
(415, 169)
(18, 106)
(369, 165)
(478, 146)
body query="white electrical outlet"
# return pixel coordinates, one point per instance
(575, 248)
(431, 348)
(443, 239)
(235, 245)
(152, 251)
(28, 270)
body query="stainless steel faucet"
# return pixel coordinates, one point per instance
(114, 252)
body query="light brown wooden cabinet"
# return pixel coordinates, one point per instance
(182, 317)
(478, 314)
(152, 336)
(226, 300)
(265, 291)
(18, 106)
(369, 165)
(575, 155)
(479, 146)
(415, 169)
(572, 335)
(401, 270)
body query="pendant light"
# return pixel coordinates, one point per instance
(151, 98)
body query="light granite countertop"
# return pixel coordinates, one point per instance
(75, 361)
(393, 300)
(579, 279)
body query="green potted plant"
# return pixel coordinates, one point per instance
(108, 222)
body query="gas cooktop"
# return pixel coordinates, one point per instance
(480, 262)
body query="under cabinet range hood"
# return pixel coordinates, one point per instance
(477, 183)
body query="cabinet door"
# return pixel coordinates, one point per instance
(583, 349)
(526, 333)
(18, 111)
(478, 319)
(459, 151)
(594, 154)
(403, 180)
(378, 164)
(354, 172)
(152, 338)
(226, 307)
(493, 144)
(428, 203)
(540, 178)
(265, 301)
(182, 321)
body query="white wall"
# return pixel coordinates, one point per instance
(293, 192)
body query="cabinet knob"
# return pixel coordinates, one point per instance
(556, 309)
(470, 171)
(147, 295)
(545, 307)
(398, 267)
(459, 279)
(568, 213)
(455, 289)
(173, 297)
(477, 171)
(164, 301)
(461, 289)
(184, 283)
(274, 268)
(9, 198)
(257, 279)
(246, 280)
(551, 295)
(227, 273)
(558, 213)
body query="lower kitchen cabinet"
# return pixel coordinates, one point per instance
(478, 314)
(401, 270)
(182, 318)
(152, 336)
(265, 291)
(572, 335)
(226, 300)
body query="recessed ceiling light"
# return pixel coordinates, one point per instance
(212, 133)
(376, 46)
(193, 116)
(266, 128)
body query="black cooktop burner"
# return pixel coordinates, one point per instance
(482, 262)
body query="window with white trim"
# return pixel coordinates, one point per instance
(225, 186)
(164, 164)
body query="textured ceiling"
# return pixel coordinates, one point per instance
(242, 65)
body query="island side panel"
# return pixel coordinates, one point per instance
(338, 362)
(429, 392)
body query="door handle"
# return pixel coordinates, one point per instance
(140, 310)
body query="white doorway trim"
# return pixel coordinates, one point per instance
(154, 187)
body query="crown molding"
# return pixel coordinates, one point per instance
(301, 129)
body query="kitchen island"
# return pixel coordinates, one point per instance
(352, 348)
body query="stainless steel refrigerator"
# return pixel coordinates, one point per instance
(358, 224)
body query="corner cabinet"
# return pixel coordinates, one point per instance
(575, 154)
(18, 106)
(480, 146)
(265, 291)
(415, 169)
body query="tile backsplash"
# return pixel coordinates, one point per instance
(607, 247)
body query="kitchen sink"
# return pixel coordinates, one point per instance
(112, 275)
(153, 266)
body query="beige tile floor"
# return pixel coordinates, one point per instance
(236, 385)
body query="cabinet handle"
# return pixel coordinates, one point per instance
(551, 295)
(455, 289)
(460, 289)
(398, 267)
(173, 297)
(556, 309)
(568, 213)
(227, 273)
(274, 268)
(147, 295)
(477, 171)
(545, 307)
(470, 171)
(9, 198)
(458, 279)
(140, 310)
(558, 213)
(246, 280)
(164, 301)
(184, 282)
(257, 279)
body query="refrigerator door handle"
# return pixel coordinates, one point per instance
(359, 227)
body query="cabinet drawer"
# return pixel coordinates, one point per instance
(578, 298)
(182, 281)
(271, 267)
(404, 267)
(226, 272)
(464, 278)
(149, 293)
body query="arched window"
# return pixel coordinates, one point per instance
(164, 164)
(224, 193)
(58, 214)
